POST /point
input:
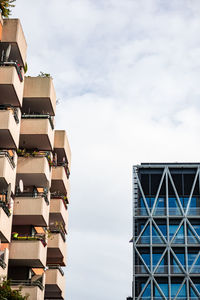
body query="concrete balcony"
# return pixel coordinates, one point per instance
(9, 128)
(5, 226)
(30, 253)
(58, 212)
(56, 251)
(62, 148)
(4, 254)
(37, 132)
(11, 88)
(39, 96)
(31, 210)
(60, 182)
(7, 171)
(34, 171)
(35, 292)
(55, 284)
(13, 34)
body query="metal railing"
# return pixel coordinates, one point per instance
(5, 207)
(161, 298)
(10, 158)
(141, 269)
(2, 261)
(65, 166)
(27, 283)
(56, 230)
(42, 116)
(146, 239)
(178, 239)
(194, 211)
(195, 270)
(15, 115)
(56, 267)
(56, 195)
(33, 195)
(27, 237)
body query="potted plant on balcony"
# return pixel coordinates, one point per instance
(5, 6)
(7, 293)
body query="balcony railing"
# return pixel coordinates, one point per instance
(2, 257)
(56, 195)
(27, 283)
(35, 237)
(161, 298)
(194, 211)
(14, 64)
(178, 239)
(59, 231)
(65, 165)
(36, 116)
(34, 194)
(141, 269)
(47, 154)
(56, 267)
(147, 238)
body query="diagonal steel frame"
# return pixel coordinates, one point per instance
(177, 196)
(192, 190)
(158, 192)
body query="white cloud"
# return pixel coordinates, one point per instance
(127, 74)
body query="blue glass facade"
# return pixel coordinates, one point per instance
(166, 231)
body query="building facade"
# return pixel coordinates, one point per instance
(166, 231)
(35, 163)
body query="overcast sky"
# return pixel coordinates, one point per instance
(127, 76)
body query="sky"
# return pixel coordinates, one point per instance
(126, 73)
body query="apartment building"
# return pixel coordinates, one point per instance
(166, 231)
(35, 163)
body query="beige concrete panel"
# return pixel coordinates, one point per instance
(5, 225)
(28, 251)
(56, 241)
(9, 125)
(57, 207)
(38, 127)
(34, 168)
(54, 277)
(11, 87)
(61, 142)
(13, 33)
(7, 173)
(59, 175)
(31, 207)
(40, 87)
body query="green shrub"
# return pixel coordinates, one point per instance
(6, 293)
(5, 6)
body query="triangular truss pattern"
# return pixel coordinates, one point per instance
(193, 294)
(178, 291)
(167, 239)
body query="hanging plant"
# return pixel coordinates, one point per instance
(5, 6)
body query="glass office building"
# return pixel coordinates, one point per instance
(166, 231)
